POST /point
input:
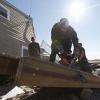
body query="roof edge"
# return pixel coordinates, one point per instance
(11, 5)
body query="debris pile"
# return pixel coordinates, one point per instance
(18, 93)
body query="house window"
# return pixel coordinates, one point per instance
(4, 12)
(24, 52)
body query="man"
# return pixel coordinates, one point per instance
(34, 48)
(79, 54)
(63, 36)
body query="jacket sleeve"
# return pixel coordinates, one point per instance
(38, 46)
(74, 37)
(54, 31)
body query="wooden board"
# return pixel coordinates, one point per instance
(34, 72)
(8, 65)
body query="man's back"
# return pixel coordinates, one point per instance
(58, 32)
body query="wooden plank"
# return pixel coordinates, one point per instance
(8, 65)
(34, 72)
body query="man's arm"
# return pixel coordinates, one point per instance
(38, 47)
(55, 31)
(74, 37)
(82, 54)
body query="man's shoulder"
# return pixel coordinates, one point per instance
(36, 43)
(30, 44)
(82, 48)
(56, 25)
(55, 28)
(72, 31)
(70, 27)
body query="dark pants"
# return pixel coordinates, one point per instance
(53, 55)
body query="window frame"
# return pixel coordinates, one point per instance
(22, 53)
(8, 12)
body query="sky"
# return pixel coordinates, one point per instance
(85, 21)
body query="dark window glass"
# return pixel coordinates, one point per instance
(25, 52)
(3, 12)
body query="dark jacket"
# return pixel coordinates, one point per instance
(34, 49)
(70, 34)
(62, 40)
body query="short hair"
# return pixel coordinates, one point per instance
(32, 38)
(64, 21)
(80, 44)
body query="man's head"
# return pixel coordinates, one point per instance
(64, 21)
(33, 39)
(80, 44)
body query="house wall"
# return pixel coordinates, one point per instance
(13, 31)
